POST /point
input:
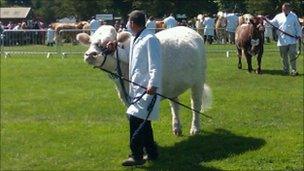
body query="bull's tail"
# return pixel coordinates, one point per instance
(207, 98)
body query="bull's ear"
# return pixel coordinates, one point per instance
(83, 38)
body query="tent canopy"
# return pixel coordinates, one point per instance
(14, 13)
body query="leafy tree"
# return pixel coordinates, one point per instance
(231, 5)
(273, 7)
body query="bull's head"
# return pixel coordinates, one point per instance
(100, 44)
(257, 35)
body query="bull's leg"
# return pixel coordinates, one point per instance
(259, 58)
(196, 103)
(176, 126)
(248, 58)
(259, 70)
(239, 54)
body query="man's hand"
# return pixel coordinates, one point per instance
(151, 90)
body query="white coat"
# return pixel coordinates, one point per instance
(170, 22)
(151, 26)
(289, 24)
(50, 35)
(209, 26)
(144, 69)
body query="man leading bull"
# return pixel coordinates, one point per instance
(144, 69)
(288, 22)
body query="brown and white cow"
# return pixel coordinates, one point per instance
(249, 41)
(71, 30)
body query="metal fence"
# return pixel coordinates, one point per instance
(49, 43)
(27, 42)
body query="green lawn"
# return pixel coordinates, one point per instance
(60, 114)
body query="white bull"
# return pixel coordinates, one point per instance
(184, 66)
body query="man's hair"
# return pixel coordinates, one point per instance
(138, 18)
(287, 4)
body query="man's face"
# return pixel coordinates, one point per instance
(285, 9)
(132, 26)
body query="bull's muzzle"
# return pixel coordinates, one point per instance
(90, 57)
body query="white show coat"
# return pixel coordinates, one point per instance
(209, 26)
(50, 34)
(144, 69)
(289, 24)
(232, 22)
(170, 22)
(94, 25)
(151, 26)
(268, 29)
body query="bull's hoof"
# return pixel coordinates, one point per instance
(177, 132)
(194, 131)
(258, 71)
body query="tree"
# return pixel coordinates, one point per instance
(272, 7)
(231, 5)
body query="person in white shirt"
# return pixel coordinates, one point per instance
(288, 22)
(170, 22)
(151, 25)
(17, 27)
(128, 28)
(268, 31)
(208, 29)
(94, 25)
(232, 23)
(144, 69)
(50, 35)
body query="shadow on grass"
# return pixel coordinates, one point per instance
(276, 72)
(192, 153)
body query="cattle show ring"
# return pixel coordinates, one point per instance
(227, 100)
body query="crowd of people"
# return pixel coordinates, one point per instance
(219, 28)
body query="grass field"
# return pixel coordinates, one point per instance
(60, 114)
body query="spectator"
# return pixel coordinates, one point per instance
(10, 25)
(151, 24)
(208, 29)
(17, 27)
(94, 25)
(199, 24)
(232, 23)
(128, 27)
(23, 25)
(117, 25)
(268, 31)
(50, 35)
(1, 28)
(170, 22)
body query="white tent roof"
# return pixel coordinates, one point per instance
(14, 12)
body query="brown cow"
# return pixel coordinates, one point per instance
(71, 30)
(220, 29)
(249, 40)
